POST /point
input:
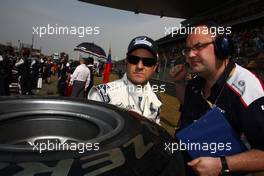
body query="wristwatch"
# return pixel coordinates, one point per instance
(225, 170)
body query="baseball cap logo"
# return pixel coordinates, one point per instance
(142, 41)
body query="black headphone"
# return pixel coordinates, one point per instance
(223, 43)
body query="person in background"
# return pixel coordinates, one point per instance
(62, 76)
(34, 71)
(47, 70)
(90, 65)
(80, 79)
(23, 66)
(4, 82)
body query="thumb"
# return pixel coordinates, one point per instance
(194, 162)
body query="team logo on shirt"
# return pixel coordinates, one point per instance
(152, 109)
(240, 86)
(241, 83)
(130, 107)
(103, 92)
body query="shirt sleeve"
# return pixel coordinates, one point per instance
(94, 95)
(100, 93)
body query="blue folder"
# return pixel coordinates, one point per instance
(210, 130)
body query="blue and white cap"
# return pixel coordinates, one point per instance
(143, 42)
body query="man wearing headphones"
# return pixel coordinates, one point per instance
(232, 88)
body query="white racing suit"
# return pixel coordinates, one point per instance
(124, 94)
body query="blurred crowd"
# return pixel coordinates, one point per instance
(24, 73)
(249, 41)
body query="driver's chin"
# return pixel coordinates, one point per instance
(138, 81)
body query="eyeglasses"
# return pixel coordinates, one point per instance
(147, 62)
(195, 48)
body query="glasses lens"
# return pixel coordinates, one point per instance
(133, 59)
(148, 62)
(198, 47)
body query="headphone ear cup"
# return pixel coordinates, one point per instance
(216, 50)
(223, 46)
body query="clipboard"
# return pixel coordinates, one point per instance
(214, 131)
